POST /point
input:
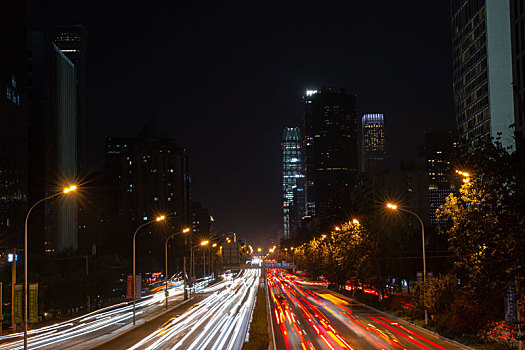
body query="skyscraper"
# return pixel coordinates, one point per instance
(482, 71)
(52, 88)
(331, 159)
(72, 42)
(517, 10)
(292, 180)
(153, 177)
(13, 121)
(438, 151)
(372, 140)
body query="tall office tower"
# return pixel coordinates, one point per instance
(438, 150)
(482, 71)
(330, 143)
(373, 148)
(292, 180)
(201, 223)
(13, 121)
(153, 177)
(52, 88)
(71, 40)
(62, 148)
(517, 10)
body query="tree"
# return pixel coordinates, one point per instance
(485, 222)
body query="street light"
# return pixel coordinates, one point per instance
(202, 244)
(395, 207)
(159, 218)
(66, 190)
(355, 221)
(166, 255)
(466, 176)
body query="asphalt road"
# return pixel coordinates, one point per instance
(310, 317)
(219, 321)
(96, 327)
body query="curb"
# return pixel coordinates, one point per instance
(144, 320)
(463, 346)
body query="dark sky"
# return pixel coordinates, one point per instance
(226, 78)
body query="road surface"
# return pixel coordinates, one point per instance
(98, 326)
(313, 317)
(220, 321)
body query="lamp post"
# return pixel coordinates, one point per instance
(66, 190)
(395, 207)
(203, 243)
(166, 255)
(160, 218)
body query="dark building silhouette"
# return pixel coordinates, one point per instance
(72, 42)
(438, 151)
(13, 121)
(517, 18)
(292, 181)
(408, 187)
(201, 221)
(52, 143)
(331, 155)
(482, 71)
(152, 174)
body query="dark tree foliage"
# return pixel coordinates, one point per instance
(485, 222)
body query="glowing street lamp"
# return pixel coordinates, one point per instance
(355, 221)
(395, 207)
(66, 190)
(337, 228)
(159, 218)
(185, 230)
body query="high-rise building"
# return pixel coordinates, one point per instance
(292, 180)
(438, 151)
(373, 146)
(52, 142)
(482, 71)
(153, 177)
(331, 155)
(517, 10)
(72, 42)
(13, 121)
(201, 221)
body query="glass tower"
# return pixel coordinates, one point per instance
(482, 71)
(373, 139)
(292, 180)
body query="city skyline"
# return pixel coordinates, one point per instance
(254, 92)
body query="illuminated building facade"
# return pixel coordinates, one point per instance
(331, 155)
(372, 140)
(292, 181)
(482, 71)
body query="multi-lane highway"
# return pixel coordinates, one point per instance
(91, 329)
(317, 318)
(220, 321)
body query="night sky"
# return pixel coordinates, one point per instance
(225, 79)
